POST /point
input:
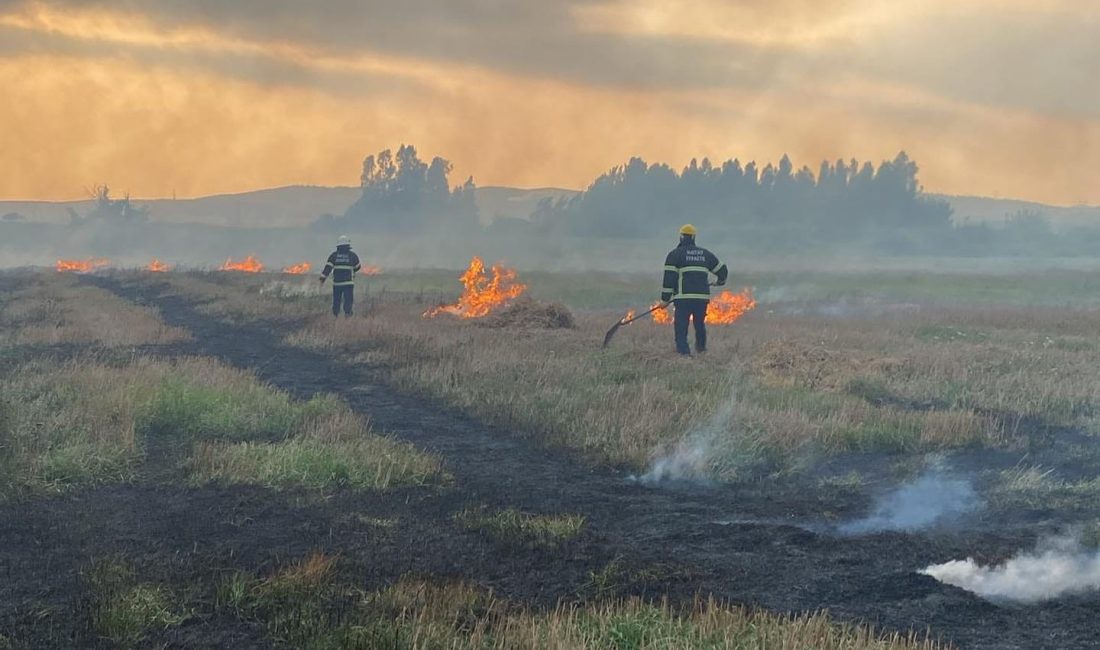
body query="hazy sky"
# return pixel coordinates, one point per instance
(994, 97)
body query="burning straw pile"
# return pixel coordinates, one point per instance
(493, 298)
(482, 294)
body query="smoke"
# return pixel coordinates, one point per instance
(296, 289)
(934, 497)
(1057, 567)
(691, 458)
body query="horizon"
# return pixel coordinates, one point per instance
(203, 99)
(89, 197)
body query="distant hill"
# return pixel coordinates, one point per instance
(299, 205)
(978, 209)
(280, 207)
(290, 206)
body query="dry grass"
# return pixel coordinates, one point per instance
(249, 296)
(85, 422)
(73, 423)
(305, 606)
(54, 308)
(788, 382)
(124, 610)
(511, 529)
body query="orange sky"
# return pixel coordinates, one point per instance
(196, 97)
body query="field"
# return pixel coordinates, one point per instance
(207, 459)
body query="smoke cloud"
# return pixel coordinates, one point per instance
(1057, 567)
(692, 458)
(932, 498)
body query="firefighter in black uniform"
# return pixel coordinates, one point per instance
(343, 264)
(687, 285)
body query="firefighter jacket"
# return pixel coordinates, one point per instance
(343, 265)
(687, 270)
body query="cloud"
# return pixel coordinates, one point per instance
(1038, 60)
(990, 97)
(524, 38)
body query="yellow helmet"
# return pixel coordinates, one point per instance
(688, 229)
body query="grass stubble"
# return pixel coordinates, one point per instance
(899, 378)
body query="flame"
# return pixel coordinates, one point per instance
(663, 316)
(371, 270)
(629, 315)
(725, 308)
(157, 266)
(482, 294)
(248, 265)
(81, 266)
(298, 269)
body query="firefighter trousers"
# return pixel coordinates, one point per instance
(694, 310)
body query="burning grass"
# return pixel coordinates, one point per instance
(725, 308)
(82, 266)
(298, 269)
(51, 309)
(306, 605)
(248, 265)
(481, 293)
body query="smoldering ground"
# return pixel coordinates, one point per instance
(936, 497)
(1057, 567)
(693, 458)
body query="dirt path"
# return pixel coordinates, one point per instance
(764, 557)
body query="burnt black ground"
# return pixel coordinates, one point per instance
(767, 557)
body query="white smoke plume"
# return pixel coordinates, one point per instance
(1057, 567)
(294, 289)
(690, 459)
(932, 498)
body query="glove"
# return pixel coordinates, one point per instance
(322, 279)
(720, 283)
(666, 297)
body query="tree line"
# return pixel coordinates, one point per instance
(403, 194)
(843, 201)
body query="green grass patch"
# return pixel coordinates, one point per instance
(300, 605)
(87, 422)
(1038, 488)
(125, 611)
(371, 463)
(82, 464)
(898, 434)
(304, 606)
(512, 529)
(227, 405)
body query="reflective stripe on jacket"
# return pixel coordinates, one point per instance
(343, 265)
(687, 273)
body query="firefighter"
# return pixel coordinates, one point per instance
(343, 264)
(687, 286)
